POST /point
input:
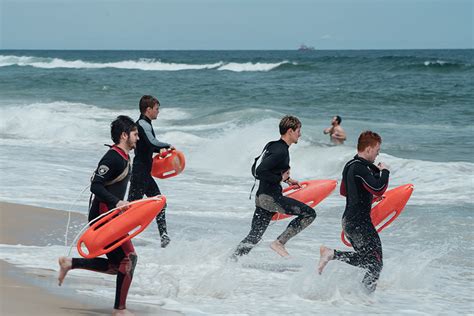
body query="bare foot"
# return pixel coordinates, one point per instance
(121, 312)
(325, 255)
(65, 264)
(279, 248)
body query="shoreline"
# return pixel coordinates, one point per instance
(28, 291)
(16, 284)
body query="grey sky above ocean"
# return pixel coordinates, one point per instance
(213, 24)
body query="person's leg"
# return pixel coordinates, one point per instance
(355, 235)
(120, 261)
(367, 255)
(368, 252)
(305, 215)
(125, 260)
(374, 260)
(152, 189)
(142, 184)
(96, 264)
(260, 221)
(137, 186)
(325, 255)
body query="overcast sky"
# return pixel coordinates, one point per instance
(232, 24)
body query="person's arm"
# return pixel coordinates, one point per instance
(107, 170)
(151, 140)
(269, 162)
(342, 189)
(328, 130)
(375, 185)
(285, 176)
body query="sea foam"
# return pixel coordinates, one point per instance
(147, 64)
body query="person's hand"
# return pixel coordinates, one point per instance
(293, 182)
(172, 148)
(382, 166)
(123, 205)
(285, 175)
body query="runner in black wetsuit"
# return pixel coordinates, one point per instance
(361, 180)
(142, 182)
(108, 186)
(275, 168)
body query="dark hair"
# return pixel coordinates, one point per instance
(338, 119)
(288, 122)
(122, 124)
(368, 139)
(147, 101)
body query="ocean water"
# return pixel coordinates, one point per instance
(220, 108)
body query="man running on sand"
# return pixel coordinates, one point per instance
(108, 186)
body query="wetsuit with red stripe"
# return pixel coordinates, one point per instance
(108, 186)
(361, 180)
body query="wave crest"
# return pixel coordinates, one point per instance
(240, 67)
(146, 64)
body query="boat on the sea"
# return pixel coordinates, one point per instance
(303, 47)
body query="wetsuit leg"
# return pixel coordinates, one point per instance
(368, 251)
(141, 184)
(305, 215)
(96, 264)
(152, 189)
(103, 265)
(125, 259)
(137, 186)
(120, 261)
(260, 221)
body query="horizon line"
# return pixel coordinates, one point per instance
(239, 49)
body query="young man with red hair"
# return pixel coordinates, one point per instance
(361, 180)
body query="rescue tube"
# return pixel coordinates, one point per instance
(389, 206)
(311, 192)
(168, 164)
(115, 228)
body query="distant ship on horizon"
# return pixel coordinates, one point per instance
(303, 47)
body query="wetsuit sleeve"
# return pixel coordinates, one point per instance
(107, 170)
(343, 190)
(265, 171)
(149, 138)
(376, 185)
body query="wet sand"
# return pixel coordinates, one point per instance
(26, 291)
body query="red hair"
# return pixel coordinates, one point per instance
(368, 139)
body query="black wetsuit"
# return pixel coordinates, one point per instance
(108, 186)
(361, 180)
(142, 182)
(270, 200)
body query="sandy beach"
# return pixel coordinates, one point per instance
(34, 226)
